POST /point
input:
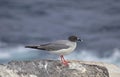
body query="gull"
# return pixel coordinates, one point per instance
(60, 47)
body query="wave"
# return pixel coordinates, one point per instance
(88, 55)
(21, 53)
(15, 53)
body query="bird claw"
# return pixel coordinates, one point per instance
(64, 61)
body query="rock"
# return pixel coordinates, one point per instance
(53, 68)
(114, 71)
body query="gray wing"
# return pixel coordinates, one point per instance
(49, 46)
(53, 46)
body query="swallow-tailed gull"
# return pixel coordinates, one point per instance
(60, 47)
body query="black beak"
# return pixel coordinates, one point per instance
(79, 39)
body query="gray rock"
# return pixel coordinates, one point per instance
(52, 68)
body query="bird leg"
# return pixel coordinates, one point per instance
(63, 60)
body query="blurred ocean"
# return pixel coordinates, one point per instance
(29, 22)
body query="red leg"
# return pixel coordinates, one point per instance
(63, 60)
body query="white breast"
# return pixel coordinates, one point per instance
(66, 51)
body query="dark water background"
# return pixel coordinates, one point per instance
(24, 22)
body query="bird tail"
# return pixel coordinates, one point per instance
(35, 47)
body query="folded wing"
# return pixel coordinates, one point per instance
(49, 46)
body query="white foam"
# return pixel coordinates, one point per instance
(10, 53)
(87, 55)
(4, 55)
